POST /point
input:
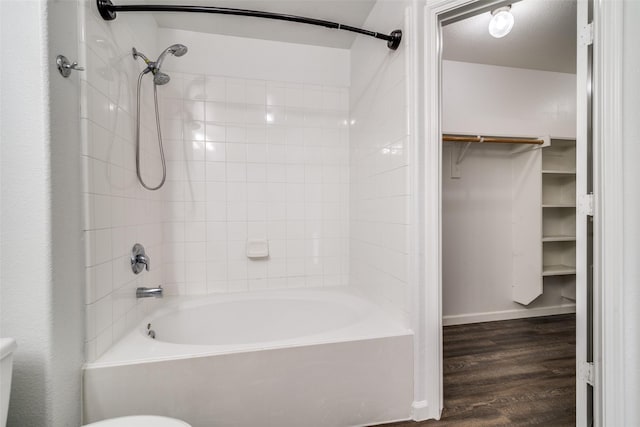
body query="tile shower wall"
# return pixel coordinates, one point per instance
(379, 166)
(254, 159)
(118, 212)
(247, 158)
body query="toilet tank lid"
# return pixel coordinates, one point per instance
(7, 346)
(140, 421)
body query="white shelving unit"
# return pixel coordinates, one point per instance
(544, 221)
(559, 209)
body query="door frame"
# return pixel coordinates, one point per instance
(431, 161)
(582, 215)
(607, 66)
(609, 205)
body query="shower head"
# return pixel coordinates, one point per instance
(160, 78)
(179, 49)
(174, 49)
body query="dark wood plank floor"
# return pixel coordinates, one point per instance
(509, 373)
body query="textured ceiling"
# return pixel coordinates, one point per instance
(349, 12)
(543, 38)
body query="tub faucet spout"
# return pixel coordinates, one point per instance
(149, 292)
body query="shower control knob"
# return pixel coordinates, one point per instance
(139, 259)
(65, 66)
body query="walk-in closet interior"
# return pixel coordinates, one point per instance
(509, 211)
(509, 205)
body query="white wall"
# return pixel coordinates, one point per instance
(26, 216)
(246, 58)
(379, 163)
(477, 248)
(489, 100)
(250, 158)
(41, 274)
(118, 212)
(476, 208)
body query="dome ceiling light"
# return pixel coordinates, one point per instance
(501, 22)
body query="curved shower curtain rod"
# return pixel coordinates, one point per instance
(108, 12)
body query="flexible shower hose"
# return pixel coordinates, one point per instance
(164, 166)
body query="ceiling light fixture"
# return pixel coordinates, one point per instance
(501, 22)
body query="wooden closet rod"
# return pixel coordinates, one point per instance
(459, 138)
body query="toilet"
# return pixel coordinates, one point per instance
(139, 421)
(7, 347)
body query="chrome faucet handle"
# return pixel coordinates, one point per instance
(142, 259)
(139, 259)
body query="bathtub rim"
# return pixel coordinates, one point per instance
(375, 324)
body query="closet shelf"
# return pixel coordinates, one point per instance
(558, 172)
(559, 205)
(559, 238)
(558, 270)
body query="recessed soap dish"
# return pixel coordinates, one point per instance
(257, 248)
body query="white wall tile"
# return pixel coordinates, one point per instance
(216, 272)
(235, 132)
(195, 272)
(215, 171)
(103, 314)
(257, 162)
(217, 251)
(377, 176)
(215, 88)
(214, 132)
(104, 340)
(194, 86)
(257, 134)
(257, 230)
(215, 152)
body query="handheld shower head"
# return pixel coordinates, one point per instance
(179, 49)
(175, 49)
(160, 78)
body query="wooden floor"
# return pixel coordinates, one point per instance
(509, 373)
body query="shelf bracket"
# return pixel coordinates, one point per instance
(463, 151)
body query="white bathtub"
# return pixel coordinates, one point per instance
(294, 357)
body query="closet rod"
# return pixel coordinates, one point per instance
(108, 12)
(459, 138)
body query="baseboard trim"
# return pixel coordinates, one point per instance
(420, 411)
(462, 319)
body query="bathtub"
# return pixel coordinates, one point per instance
(274, 358)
